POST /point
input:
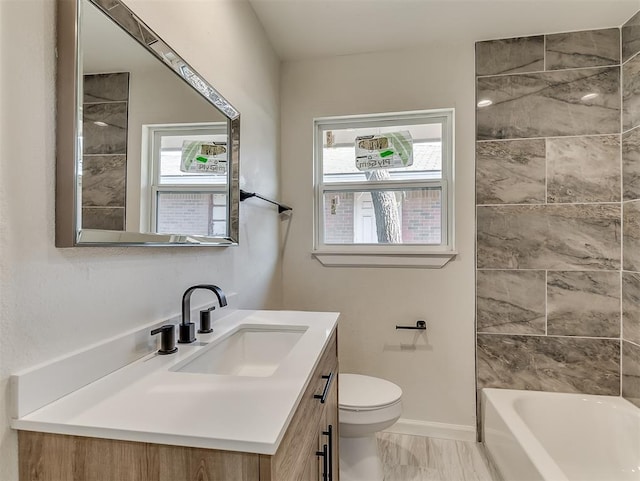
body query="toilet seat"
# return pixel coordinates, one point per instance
(357, 392)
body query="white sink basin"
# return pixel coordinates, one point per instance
(250, 350)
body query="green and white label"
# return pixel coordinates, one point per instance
(204, 157)
(384, 151)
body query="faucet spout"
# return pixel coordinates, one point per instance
(187, 328)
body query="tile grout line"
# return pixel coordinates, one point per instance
(558, 336)
(537, 72)
(516, 139)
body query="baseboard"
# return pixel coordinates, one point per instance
(457, 432)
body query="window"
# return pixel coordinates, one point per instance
(186, 202)
(384, 189)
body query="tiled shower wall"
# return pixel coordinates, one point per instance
(631, 210)
(549, 212)
(104, 146)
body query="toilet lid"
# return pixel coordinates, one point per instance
(359, 392)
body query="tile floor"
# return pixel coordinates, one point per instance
(416, 458)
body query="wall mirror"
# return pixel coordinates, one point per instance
(147, 150)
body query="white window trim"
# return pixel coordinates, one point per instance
(375, 255)
(150, 174)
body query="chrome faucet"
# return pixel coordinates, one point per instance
(187, 329)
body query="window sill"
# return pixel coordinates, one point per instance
(414, 260)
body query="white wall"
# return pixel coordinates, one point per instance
(53, 300)
(437, 372)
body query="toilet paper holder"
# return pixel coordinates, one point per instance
(420, 326)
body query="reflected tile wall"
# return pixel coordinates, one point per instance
(631, 306)
(631, 94)
(511, 302)
(583, 304)
(510, 172)
(107, 218)
(104, 180)
(549, 104)
(110, 138)
(511, 55)
(631, 37)
(545, 363)
(631, 372)
(590, 48)
(559, 237)
(109, 87)
(583, 169)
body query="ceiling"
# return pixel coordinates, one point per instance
(301, 29)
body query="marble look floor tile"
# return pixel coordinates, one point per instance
(631, 372)
(631, 164)
(511, 301)
(510, 172)
(583, 169)
(107, 218)
(105, 139)
(525, 54)
(631, 306)
(589, 48)
(104, 180)
(420, 458)
(631, 236)
(549, 104)
(109, 87)
(558, 237)
(631, 37)
(631, 94)
(544, 363)
(583, 304)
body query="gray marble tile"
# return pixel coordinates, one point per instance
(558, 237)
(549, 104)
(544, 363)
(631, 372)
(108, 87)
(589, 48)
(631, 236)
(583, 304)
(631, 306)
(105, 139)
(631, 94)
(510, 172)
(525, 54)
(108, 218)
(510, 302)
(631, 37)
(583, 169)
(104, 180)
(631, 164)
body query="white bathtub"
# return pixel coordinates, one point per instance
(541, 436)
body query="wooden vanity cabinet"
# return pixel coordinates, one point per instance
(57, 457)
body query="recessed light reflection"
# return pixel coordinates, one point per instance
(590, 96)
(484, 103)
(100, 124)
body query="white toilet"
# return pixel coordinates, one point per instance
(366, 405)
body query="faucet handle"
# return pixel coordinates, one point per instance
(167, 338)
(205, 321)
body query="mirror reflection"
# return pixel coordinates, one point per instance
(154, 157)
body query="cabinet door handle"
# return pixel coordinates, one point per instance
(323, 453)
(325, 391)
(329, 434)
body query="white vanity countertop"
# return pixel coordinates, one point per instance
(146, 402)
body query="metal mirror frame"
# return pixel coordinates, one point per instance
(68, 231)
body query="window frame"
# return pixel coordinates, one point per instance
(153, 134)
(414, 255)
